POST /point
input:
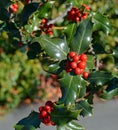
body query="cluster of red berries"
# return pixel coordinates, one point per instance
(45, 27)
(27, 1)
(14, 7)
(77, 63)
(76, 14)
(45, 111)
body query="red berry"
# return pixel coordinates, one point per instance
(84, 15)
(76, 58)
(26, 1)
(49, 32)
(48, 108)
(81, 65)
(68, 69)
(72, 12)
(83, 57)
(86, 7)
(50, 103)
(52, 123)
(71, 54)
(41, 108)
(77, 19)
(73, 65)
(43, 113)
(47, 120)
(85, 75)
(14, 7)
(43, 21)
(78, 71)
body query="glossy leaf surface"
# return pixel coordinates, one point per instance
(101, 23)
(44, 9)
(51, 65)
(112, 90)
(27, 11)
(71, 126)
(62, 115)
(82, 37)
(99, 77)
(69, 31)
(85, 107)
(71, 87)
(56, 48)
(31, 122)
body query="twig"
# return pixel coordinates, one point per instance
(61, 16)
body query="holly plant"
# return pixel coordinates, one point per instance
(67, 38)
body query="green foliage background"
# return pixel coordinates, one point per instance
(18, 77)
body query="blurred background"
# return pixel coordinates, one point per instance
(24, 85)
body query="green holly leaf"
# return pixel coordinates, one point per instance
(82, 37)
(70, 126)
(51, 66)
(101, 23)
(56, 48)
(72, 87)
(34, 50)
(44, 10)
(20, 127)
(112, 90)
(90, 62)
(70, 31)
(31, 122)
(27, 11)
(115, 52)
(33, 24)
(62, 114)
(109, 95)
(99, 78)
(5, 3)
(77, 2)
(85, 107)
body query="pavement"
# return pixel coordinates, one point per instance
(105, 117)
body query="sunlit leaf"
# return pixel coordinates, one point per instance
(82, 37)
(56, 48)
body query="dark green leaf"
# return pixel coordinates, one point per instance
(27, 11)
(51, 66)
(99, 77)
(112, 89)
(56, 48)
(70, 31)
(115, 52)
(31, 122)
(62, 115)
(4, 14)
(90, 64)
(101, 23)
(85, 107)
(34, 50)
(44, 10)
(20, 127)
(98, 43)
(77, 2)
(70, 126)
(82, 37)
(109, 95)
(5, 3)
(72, 87)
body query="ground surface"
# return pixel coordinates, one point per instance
(105, 117)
